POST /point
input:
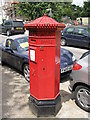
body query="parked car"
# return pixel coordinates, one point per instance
(85, 54)
(76, 36)
(80, 83)
(12, 27)
(15, 52)
(67, 61)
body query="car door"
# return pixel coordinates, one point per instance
(7, 52)
(80, 37)
(69, 35)
(11, 54)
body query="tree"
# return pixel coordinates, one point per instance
(86, 9)
(34, 10)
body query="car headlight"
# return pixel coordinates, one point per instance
(61, 33)
(73, 58)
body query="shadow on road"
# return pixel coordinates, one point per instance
(66, 96)
(14, 92)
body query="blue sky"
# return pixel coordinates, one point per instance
(78, 2)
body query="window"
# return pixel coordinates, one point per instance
(80, 31)
(70, 30)
(13, 46)
(88, 30)
(10, 43)
(7, 23)
(18, 23)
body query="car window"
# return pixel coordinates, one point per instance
(70, 30)
(7, 23)
(88, 30)
(18, 23)
(80, 31)
(8, 42)
(11, 43)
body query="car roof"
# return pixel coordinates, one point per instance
(14, 20)
(77, 26)
(17, 36)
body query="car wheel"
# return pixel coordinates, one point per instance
(26, 72)
(2, 63)
(63, 42)
(8, 32)
(82, 97)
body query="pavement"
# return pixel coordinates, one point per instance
(15, 90)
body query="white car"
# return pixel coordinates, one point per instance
(80, 82)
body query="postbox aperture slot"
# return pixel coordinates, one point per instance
(33, 41)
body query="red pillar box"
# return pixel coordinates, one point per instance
(44, 57)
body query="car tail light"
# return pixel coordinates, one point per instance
(77, 66)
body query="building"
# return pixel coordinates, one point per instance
(7, 10)
(2, 12)
(85, 20)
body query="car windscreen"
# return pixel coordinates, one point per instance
(18, 23)
(88, 30)
(62, 52)
(22, 44)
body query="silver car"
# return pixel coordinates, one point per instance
(80, 82)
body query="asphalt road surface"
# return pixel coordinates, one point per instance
(15, 91)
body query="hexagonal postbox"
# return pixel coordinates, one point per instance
(44, 64)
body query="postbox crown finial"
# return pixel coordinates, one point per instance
(45, 14)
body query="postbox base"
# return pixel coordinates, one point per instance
(45, 108)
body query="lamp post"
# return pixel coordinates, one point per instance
(50, 13)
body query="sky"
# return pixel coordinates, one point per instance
(78, 2)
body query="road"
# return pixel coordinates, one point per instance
(15, 91)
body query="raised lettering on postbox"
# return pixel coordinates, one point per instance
(46, 42)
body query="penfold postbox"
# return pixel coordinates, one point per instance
(44, 64)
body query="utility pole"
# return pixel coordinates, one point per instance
(50, 13)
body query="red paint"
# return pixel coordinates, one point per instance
(44, 39)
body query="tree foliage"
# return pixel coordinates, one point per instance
(32, 10)
(86, 9)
